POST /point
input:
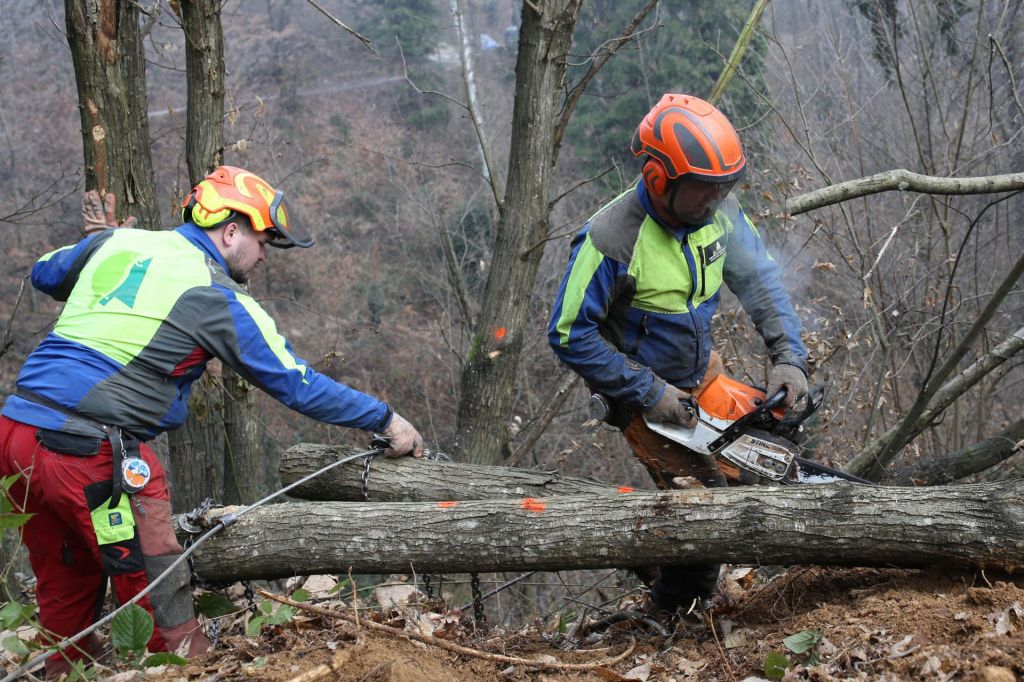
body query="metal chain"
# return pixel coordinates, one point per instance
(478, 599)
(365, 480)
(213, 628)
(428, 589)
(250, 598)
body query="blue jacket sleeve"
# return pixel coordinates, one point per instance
(754, 276)
(56, 273)
(588, 290)
(250, 344)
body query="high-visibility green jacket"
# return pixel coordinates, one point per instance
(145, 312)
(635, 306)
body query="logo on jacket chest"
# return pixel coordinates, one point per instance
(712, 252)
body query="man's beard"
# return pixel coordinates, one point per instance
(235, 271)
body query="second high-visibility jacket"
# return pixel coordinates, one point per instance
(145, 312)
(635, 306)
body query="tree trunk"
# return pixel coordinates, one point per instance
(981, 526)
(230, 436)
(491, 367)
(407, 480)
(196, 449)
(243, 457)
(110, 71)
(204, 67)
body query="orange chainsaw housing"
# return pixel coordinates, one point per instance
(728, 399)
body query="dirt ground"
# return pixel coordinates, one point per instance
(874, 624)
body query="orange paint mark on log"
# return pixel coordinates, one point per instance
(500, 333)
(626, 489)
(448, 504)
(530, 504)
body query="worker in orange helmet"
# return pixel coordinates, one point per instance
(145, 311)
(633, 314)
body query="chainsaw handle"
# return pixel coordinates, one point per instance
(772, 402)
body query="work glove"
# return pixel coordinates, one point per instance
(793, 378)
(99, 215)
(404, 438)
(672, 409)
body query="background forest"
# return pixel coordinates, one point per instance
(379, 158)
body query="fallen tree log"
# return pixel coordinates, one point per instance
(407, 479)
(841, 524)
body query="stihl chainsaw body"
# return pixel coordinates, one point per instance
(739, 425)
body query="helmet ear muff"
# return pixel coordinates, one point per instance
(655, 176)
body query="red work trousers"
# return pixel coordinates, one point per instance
(70, 565)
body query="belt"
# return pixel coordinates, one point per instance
(122, 443)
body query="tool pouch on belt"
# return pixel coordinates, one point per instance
(69, 443)
(114, 526)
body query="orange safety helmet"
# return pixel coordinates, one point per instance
(686, 137)
(229, 190)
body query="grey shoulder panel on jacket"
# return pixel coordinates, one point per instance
(614, 229)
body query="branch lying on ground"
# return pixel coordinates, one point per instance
(451, 646)
(902, 180)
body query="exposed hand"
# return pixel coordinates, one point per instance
(793, 378)
(404, 437)
(99, 214)
(672, 409)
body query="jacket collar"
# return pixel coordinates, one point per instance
(679, 231)
(202, 241)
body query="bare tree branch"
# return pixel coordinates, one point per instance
(732, 64)
(554, 402)
(902, 180)
(873, 455)
(614, 45)
(473, 105)
(363, 39)
(10, 322)
(971, 460)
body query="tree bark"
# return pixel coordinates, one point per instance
(958, 465)
(236, 464)
(110, 72)
(204, 67)
(980, 526)
(406, 479)
(491, 366)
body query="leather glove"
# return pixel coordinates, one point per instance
(793, 378)
(670, 408)
(404, 438)
(99, 214)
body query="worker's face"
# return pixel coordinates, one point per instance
(695, 202)
(247, 249)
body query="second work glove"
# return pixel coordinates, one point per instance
(674, 407)
(98, 214)
(404, 438)
(790, 376)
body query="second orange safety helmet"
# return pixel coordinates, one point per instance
(689, 138)
(229, 190)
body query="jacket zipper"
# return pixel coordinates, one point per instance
(692, 267)
(703, 270)
(639, 335)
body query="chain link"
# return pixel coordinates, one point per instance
(365, 480)
(428, 589)
(478, 599)
(213, 630)
(250, 597)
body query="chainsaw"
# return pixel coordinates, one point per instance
(740, 426)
